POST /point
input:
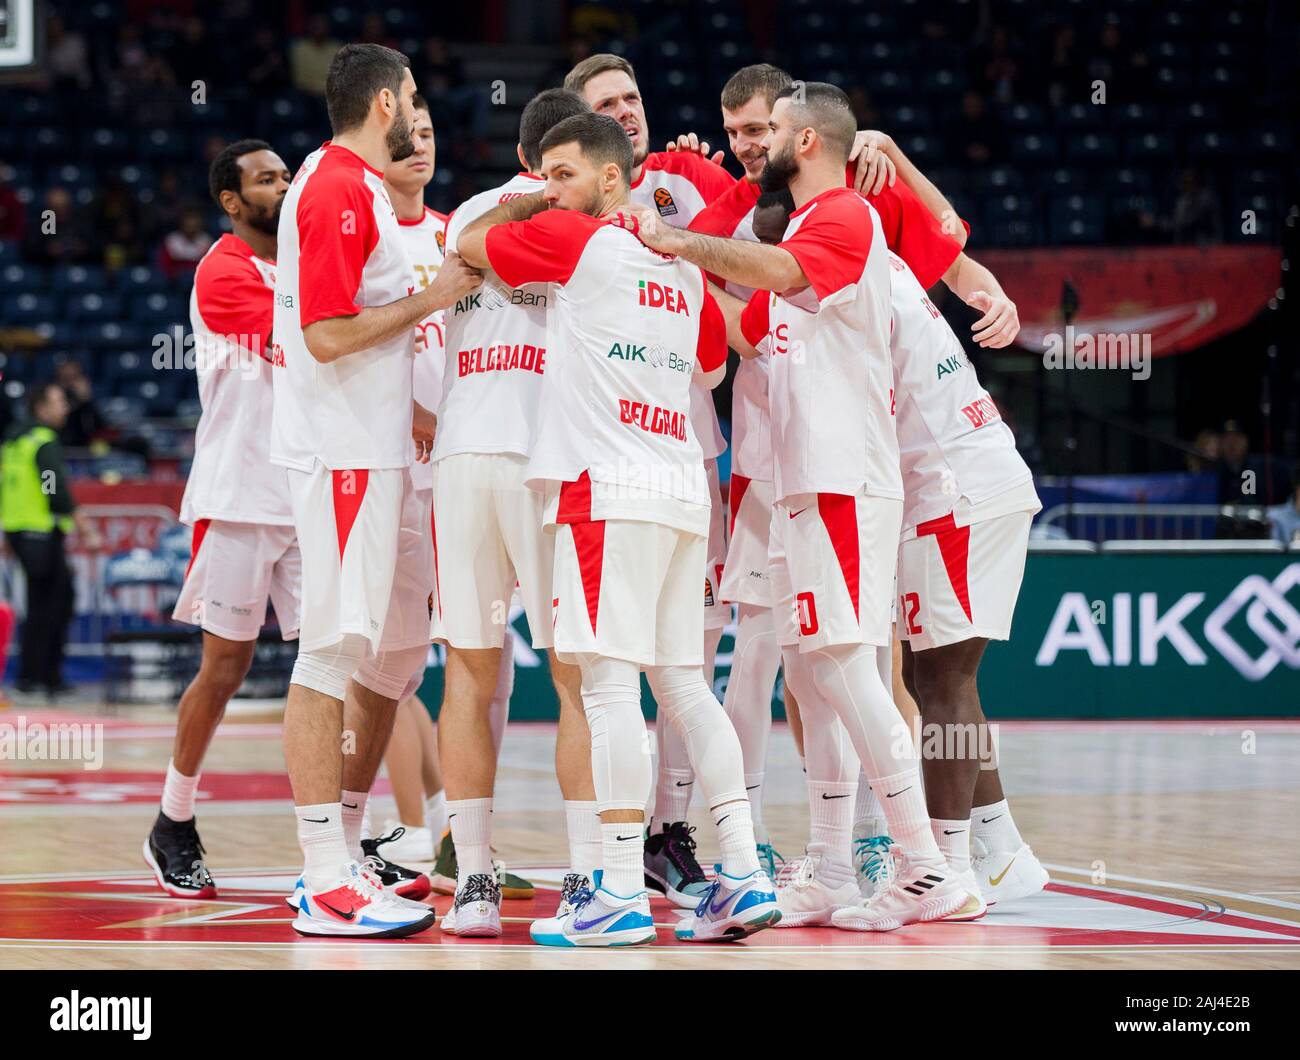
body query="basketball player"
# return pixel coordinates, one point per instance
(343, 423)
(677, 184)
(836, 475)
(244, 549)
(488, 534)
(623, 480)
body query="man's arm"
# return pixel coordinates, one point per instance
(754, 265)
(732, 307)
(472, 242)
(873, 141)
(975, 285)
(328, 340)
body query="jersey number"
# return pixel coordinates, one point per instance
(910, 614)
(805, 608)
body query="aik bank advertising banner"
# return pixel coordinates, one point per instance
(1098, 636)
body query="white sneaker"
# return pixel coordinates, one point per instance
(806, 901)
(294, 900)
(731, 909)
(476, 911)
(875, 862)
(410, 846)
(925, 889)
(975, 906)
(356, 906)
(1007, 876)
(598, 918)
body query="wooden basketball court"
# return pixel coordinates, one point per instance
(1171, 845)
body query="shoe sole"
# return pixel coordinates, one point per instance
(203, 892)
(518, 894)
(679, 898)
(939, 911)
(594, 941)
(415, 889)
(735, 932)
(317, 929)
(818, 918)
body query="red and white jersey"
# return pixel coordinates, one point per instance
(631, 329)
(232, 478)
(340, 251)
(953, 445)
(831, 380)
(679, 184)
(909, 229)
(497, 350)
(425, 242)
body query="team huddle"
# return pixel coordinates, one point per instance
(412, 424)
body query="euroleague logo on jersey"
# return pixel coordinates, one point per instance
(440, 238)
(664, 202)
(657, 296)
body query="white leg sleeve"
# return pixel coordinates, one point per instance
(391, 673)
(848, 678)
(620, 748)
(328, 670)
(693, 710)
(748, 700)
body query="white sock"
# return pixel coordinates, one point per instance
(471, 832)
(994, 827)
(354, 811)
(622, 848)
(754, 789)
(953, 838)
(178, 794)
(367, 825)
(735, 826)
(582, 822)
(435, 814)
(906, 814)
(324, 850)
(830, 813)
(867, 814)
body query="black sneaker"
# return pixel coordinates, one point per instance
(175, 854)
(671, 868)
(397, 879)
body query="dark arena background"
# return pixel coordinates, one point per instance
(1127, 170)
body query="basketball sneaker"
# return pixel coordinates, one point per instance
(597, 917)
(671, 868)
(371, 867)
(975, 906)
(175, 854)
(356, 906)
(396, 879)
(925, 889)
(804, 896)
(476, 912)
(573, 883)
(874, 862)
(407, 845)
(768, 857)
(443, 877)
(1007, 876)
(732, 908)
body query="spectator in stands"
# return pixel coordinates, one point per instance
(192, 53)
(456, 108)
(1206, 455)
(976, 134)
(85, 422)
(1065, 76)
(268, 69)
(309, 56)
(61, 235)
(996, 67)
(184, 246)
(118, 225)
(13, 218)
(374, 30)
(1198, 214)
(1239, 479)
(1112, 60)
(37, 510)
(1285, 517)
(65, 57)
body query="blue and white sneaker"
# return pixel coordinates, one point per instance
(597, 918)
(671, 868)
(732, 909)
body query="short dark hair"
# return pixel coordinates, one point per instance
(39, 394)
(224, 174)
(541, 114)
(778, 197)
(576, 79)
(761, 79)
(420, 103)
(357, 72)
(825, 108)
(599, 136)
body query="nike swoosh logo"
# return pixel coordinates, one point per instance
(625, 838)
(317, 820)
(986, 820)
(351, 805)
(891, 794)
(995, 880)
(719, 822)
(825, 796)
(799, 512)
(351, 914)
(955, 831)
(599, 920)
(751, 787)
(685, 783)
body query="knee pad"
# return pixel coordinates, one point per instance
(393, 674)
(328, 670)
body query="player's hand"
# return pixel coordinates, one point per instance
(875, 167)
(454, 280)
(424, 428)
(1000, 323)
(691, 142)
(646, 225)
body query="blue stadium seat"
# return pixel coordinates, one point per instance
(158, 307)
(78, 279)
(29, 308)
(94, 306)
(130, 365)
(51, 142)
(1210, 144)
(18, 278)
(1035, 147)
(10, 253)
(1077, 219)
(140, 280)
(1100, 147)
(1025, 117)
(110, 144)
(112, 334)
(56, 332)
(1154, 145)
(122, 411)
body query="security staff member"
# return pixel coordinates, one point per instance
(37, 511)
